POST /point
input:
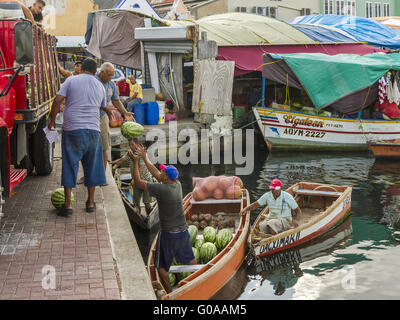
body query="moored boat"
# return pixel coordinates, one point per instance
(330, 101)
(284, 130)
(207, 279)
(323, 207)
(385, 148)
(307, 251)
(123, 180)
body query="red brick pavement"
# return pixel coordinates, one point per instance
(32, 236)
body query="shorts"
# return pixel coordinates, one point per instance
(138, 193)
(82, 145)
(278, 225)
(105, 132)
(172, 245)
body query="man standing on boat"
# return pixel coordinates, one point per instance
(173, 240)
(280, 204)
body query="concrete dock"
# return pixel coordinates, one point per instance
(81, 257)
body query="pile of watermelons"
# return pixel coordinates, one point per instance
(204, 249)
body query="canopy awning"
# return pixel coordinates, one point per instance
(250, 58)
(324, 34)
(363, 29)
(329, 79)
(245, 29)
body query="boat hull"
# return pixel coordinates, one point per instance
(283, 130)
(386, 149)
(331, 217)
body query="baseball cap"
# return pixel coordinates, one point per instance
(276, 184)
(171, 171)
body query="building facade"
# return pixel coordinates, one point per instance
(361, 8)
(281, 9)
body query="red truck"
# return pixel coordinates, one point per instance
(29, 80)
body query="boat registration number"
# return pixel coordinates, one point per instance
(304, 133)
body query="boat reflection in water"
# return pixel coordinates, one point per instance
(386, 173)
(283, 270)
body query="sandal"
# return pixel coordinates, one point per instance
(90, 209)
(81, 180)
(64, 212)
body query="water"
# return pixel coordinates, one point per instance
(358, 260)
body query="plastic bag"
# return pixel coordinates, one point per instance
(116, 120)
(217, 187)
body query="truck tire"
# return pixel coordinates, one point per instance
(42, 151)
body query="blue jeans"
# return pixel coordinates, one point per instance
(82, 145)
(131, 105)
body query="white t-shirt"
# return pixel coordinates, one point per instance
(278, 208)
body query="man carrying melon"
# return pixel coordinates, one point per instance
(281, 205)
(174, 238)
(105, 75)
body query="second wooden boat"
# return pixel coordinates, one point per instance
(323, 206)
(123, 180)
(386, 148)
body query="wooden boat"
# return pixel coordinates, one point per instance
(307, 251)
(123, 179)
(284, 130)
(207, 279)
(385, 148)
(323, 206)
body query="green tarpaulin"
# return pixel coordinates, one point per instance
(329, 78)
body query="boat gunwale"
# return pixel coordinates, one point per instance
(317, 116)
(218, 262)
(302, 227)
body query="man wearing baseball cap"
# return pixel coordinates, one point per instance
(281, 205)
(174, 239)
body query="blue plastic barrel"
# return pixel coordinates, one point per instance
(140, 113)
(152, 113)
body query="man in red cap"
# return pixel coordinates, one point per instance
(281, 205)
(174, 239)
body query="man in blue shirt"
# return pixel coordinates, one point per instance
(104, 76)
(280, 205)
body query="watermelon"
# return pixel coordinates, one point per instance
(182, 275)
(131, 129)
(224, 236)
(172, 279)
(209, 234)
(193, 234)
(198, 243)
(207, 252)
(58, 198)
(196, 253)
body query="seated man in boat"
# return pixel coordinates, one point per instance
(145, 175)
(280, 204)
(174, 239)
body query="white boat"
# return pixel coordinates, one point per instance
(284, 130)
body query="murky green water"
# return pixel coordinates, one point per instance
(358, 260)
